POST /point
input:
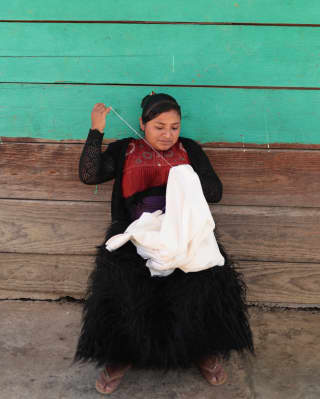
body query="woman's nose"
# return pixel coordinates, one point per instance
(167, 133)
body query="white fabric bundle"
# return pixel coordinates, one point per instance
(182, 237)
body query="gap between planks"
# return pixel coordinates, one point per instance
(65, 83)
(208, 146)
(280, 24)
(211, 205)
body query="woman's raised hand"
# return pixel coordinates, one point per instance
(98, 117)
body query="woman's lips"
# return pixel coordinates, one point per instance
(164, 142)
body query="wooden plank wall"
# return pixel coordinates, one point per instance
(252, 65)
(268, 220)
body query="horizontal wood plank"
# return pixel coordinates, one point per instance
(52, 227)
(55, 276)
(133, 54)
(45, 171)
(269, 233)
(248, 233)
(273, 11)
(285, 283)
(209, 115)
(268, 177)
(43, 276)
(250, 177)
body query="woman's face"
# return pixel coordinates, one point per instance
(163, 131)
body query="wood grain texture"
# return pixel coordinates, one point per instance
(54, 276)
(269, 233)
(43, 276)
(290, 11)
(52, 227)
(248, 233)
(268, 177)
(286, 283)
(250, 177)
(219, 115)
(122, 53)
(46, 171)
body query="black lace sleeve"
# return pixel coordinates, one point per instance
(210, 182)
(95, 166)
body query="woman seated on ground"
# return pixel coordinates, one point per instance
(133, 319)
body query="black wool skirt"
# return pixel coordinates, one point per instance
(168, 322)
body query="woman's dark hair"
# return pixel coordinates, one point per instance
(154, 104)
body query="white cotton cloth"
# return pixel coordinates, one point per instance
(182, 237)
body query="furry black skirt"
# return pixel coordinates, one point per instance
(168, 322)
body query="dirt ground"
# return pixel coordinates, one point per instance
(37, 342)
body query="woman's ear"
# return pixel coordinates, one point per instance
(142, 126)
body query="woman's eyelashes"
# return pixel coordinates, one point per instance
(162, 128)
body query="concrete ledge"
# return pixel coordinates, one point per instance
(38, 339)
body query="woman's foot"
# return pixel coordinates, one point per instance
(212, 371)
(109, 378)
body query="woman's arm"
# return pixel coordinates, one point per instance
(96, 167)
(210, 182)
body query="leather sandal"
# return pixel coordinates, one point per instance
(212, 370)
(109, 378)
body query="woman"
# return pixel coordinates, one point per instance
(130, 318)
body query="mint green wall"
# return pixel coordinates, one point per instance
(252, 116)
(34, 56)
(163, 54)
(272, 11)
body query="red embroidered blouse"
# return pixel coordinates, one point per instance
(144, 168)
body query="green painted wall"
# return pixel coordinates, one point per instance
(35, 56)
(267, 11)
(223, 115)
(185, 54)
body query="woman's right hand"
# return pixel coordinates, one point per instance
(98, 117)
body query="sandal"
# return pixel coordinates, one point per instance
(109, 379)
(212, 370)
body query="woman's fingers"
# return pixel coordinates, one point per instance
(107, 110)
(98, 116)
(99, 106)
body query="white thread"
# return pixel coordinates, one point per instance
(266, 129)
(134, 130)
(243, 146)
